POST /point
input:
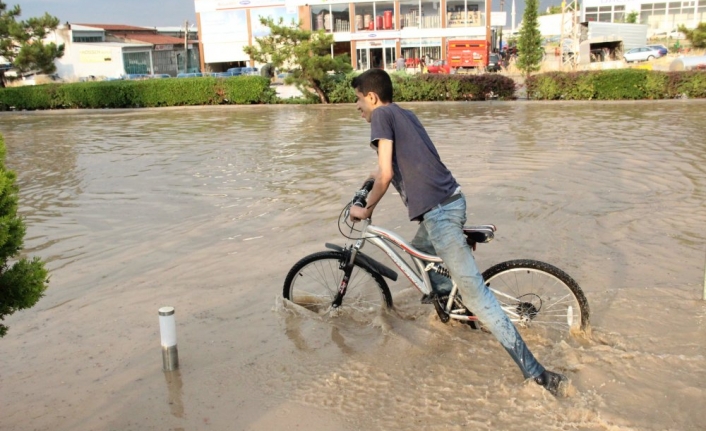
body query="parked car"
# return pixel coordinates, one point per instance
(249, 71)
(189, 75)
(224, 74)
(659, 47)
(644, 53)
(235, 71)
(160, 75)
(672, 34)
(134, 76)
(494, 63)
(439, 66)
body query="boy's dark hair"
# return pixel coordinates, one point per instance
(374, 81)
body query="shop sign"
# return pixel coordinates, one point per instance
(95, 55)
(163, 47)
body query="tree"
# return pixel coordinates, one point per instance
(529, 44)
(631, 18)
(23, 282)
(697, 36)
(22, 42)
(306, 53)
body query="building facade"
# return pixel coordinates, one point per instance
(661, 18)
(94, 51)
(374, 33)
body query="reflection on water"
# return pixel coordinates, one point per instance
(174, 384)
(210, 207)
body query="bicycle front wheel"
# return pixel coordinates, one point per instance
(540, 296)
(314, 281)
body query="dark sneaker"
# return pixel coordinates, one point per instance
(428, 298)
(553, 382)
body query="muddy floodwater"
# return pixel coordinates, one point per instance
(206, 210)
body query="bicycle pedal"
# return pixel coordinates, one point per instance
(428, 298)
(443, 316)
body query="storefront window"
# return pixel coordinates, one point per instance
(409, 14)
(385, 16)
(461, 13)
(365, 16)
(431, 14)
(321, 18)
(341, 18)
(374, 16)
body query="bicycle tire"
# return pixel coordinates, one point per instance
(314, 281)
(540, 296)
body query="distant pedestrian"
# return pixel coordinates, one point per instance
(400, 64)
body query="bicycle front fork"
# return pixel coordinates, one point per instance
(346, 265)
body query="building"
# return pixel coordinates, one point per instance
(374, 33)
(661, 18)
(94, 51)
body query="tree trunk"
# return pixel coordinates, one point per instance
(320, 93)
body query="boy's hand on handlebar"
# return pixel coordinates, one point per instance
(358, 213)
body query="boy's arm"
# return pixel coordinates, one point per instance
(383, 177)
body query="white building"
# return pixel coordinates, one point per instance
(113, 51)
(659, 17)
(374, 33)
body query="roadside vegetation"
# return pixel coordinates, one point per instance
(621, 84)
(22, 280)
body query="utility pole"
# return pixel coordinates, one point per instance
(186, 46)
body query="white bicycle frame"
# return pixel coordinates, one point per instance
(424, 262)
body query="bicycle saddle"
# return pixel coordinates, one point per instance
(479, 234)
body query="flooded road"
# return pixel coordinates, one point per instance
(206, 209)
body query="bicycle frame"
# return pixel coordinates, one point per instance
(424, 262)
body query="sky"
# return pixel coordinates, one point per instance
(154, 13)
(147, 13)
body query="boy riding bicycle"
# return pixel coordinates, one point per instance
(408, 159)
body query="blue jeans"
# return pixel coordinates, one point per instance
(441, 234)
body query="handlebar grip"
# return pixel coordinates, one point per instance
(360, 198)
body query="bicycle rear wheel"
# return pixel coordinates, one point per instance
(314, 281)
(540, 296)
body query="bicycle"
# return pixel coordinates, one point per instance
(533, 294)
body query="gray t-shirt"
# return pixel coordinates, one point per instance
(420, 177)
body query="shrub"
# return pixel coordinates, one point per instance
(627, 84)
(23, 282)
(146, 93)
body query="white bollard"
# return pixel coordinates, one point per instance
(167, 330)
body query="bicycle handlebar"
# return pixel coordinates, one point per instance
(360, 198)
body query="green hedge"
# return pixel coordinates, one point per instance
(135, 94)
(624, 84)
(429, 87)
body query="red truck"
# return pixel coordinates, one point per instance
(464, 55)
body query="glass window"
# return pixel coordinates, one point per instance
(619, 17)
(367, 16)
(604, 17)
(461, 13)
(409, 14)
(591, 9)
(341, 18)
(385, 16)
(431, 14)
(618, 8)
(592, 17)
(321, 18)
(136, 62)
(604, 9)
(660, 6)
(646, 7)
